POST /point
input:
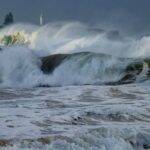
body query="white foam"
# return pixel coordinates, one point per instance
(19, 65)
(72, 37)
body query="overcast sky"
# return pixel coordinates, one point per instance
(128, 15)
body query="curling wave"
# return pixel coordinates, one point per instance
(60, 54)
(20, 66)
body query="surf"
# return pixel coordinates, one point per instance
(70, 53)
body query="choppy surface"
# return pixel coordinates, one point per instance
(76, 117)
(73, 117)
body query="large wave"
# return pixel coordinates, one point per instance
(96, 57)
(74, 37)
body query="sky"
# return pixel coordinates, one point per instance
(132, 16)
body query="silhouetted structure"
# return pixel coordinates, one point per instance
(8, 19)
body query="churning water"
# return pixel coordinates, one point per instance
(79, 109)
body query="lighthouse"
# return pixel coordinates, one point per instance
(41, 19)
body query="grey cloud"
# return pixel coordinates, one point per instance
(131, 16)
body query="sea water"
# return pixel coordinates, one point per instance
(77, 110)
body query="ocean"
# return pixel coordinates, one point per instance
(68, 86)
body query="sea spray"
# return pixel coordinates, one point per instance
(72, 37)
(20, 66)
(95, 58)
(17, 65)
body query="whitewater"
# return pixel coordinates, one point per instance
(67, 85)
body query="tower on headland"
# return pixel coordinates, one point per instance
(41, 20)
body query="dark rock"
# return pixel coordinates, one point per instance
(137, 66)
(49, 63)
(44, 140)
(131, 72)
(4, 143)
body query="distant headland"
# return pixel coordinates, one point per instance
(9, 19)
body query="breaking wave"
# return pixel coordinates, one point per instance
(93, 56)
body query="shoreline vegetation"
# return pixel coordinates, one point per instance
(16, 38)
